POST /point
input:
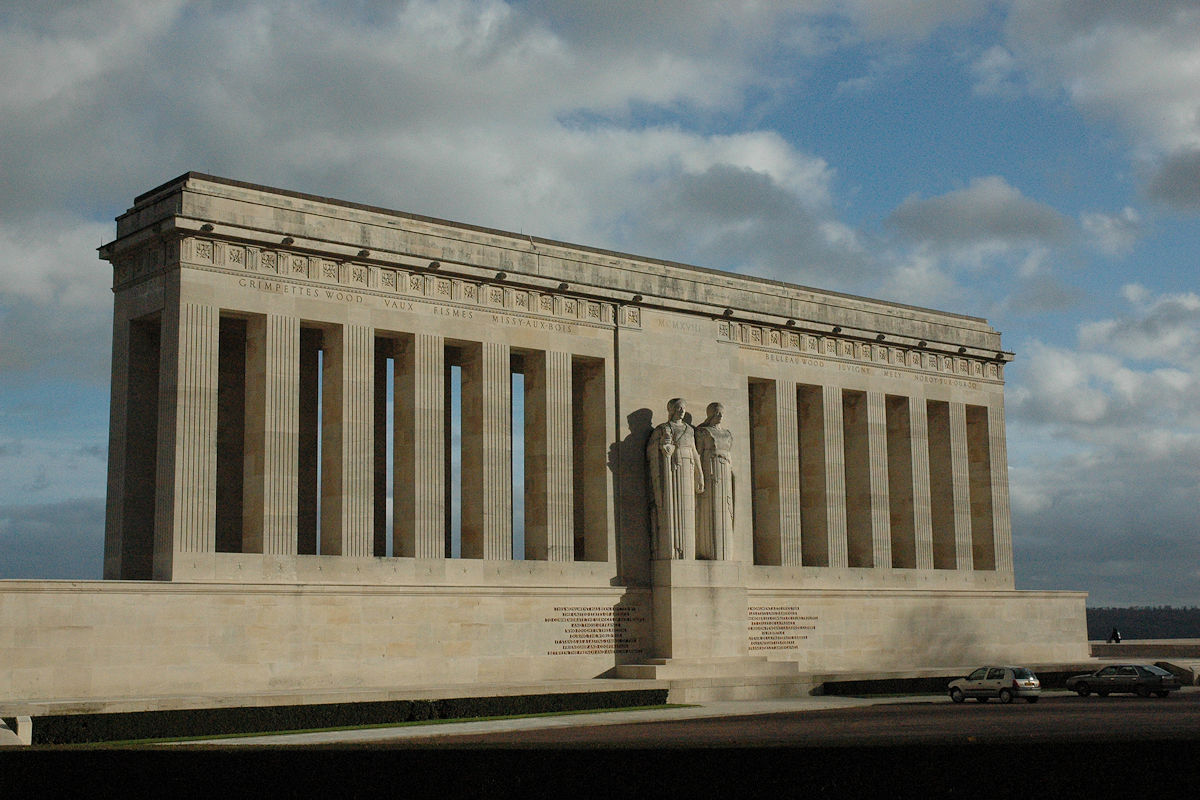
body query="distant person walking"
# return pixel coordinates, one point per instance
(1114, 637)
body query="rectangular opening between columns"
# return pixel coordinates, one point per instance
(141, 450)
(764, 472)
(814, 515)
(979, 463)
(941, 485)
(231, 433)
(901, 506)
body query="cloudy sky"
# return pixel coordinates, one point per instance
(1034, 162)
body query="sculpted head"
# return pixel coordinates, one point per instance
(676, 406)
(716, 412)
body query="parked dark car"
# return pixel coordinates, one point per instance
(1140, 679)
(1003, 683)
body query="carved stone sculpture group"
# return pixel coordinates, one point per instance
(691, 482)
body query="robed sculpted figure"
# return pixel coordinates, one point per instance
(675, 480)
(714, 518)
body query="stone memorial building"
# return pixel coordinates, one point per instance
(357, 447)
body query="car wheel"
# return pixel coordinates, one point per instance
(1083, 690)
(1162, 694)
(1031, 699)
(956, 695)
(1005, 696)
(1142, 691)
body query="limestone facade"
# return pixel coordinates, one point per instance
(869, 435)
(313, 393)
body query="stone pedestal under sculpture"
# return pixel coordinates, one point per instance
(699, 609)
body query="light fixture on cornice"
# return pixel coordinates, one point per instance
(922, 343)
(562, 287)
(1000, 357)
(837, 328)
(637, 298)
(501, 276)
(879, 337)
(287, 240)
(434, 264)
(364, 253)
(206, 227)
(791, 323)
(728, 312)
(962, 350)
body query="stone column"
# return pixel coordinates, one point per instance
(1002, 520)
(487, 452)
(419, 471)
(347, 458)
(960, 471)
(835, 475)
(881, 533)
(922, 506)
(788, 444)
(272, 434)
(549, 470)
(185, 513)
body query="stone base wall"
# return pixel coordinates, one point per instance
(91, 639)
(881, 631)
(63, 640)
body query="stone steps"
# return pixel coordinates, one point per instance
(664, 669)
(696, 680)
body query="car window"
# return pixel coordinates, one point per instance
(978, 674)
(1022, 673)
(995, 674)
(1152, 670)
(1107, 672)
(1128, 671)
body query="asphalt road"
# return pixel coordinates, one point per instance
(1057, 718)
(1061, 747)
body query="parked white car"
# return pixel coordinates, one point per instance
(1002, 683)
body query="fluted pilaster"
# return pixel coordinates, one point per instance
(487, 452)
(1002, 524)
(922, 508)
(787, 437)
(549, 470)
(419, 473)
(185, 516)
(835, 475)
(347, 467)
(881, 536)
(960, 472)
(272, 434)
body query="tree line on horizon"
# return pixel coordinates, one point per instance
(1144, 622)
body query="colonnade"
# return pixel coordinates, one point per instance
(849, 478)
(271, 437)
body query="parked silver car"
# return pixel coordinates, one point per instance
(1002, 683)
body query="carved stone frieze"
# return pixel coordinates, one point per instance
(768, 338)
